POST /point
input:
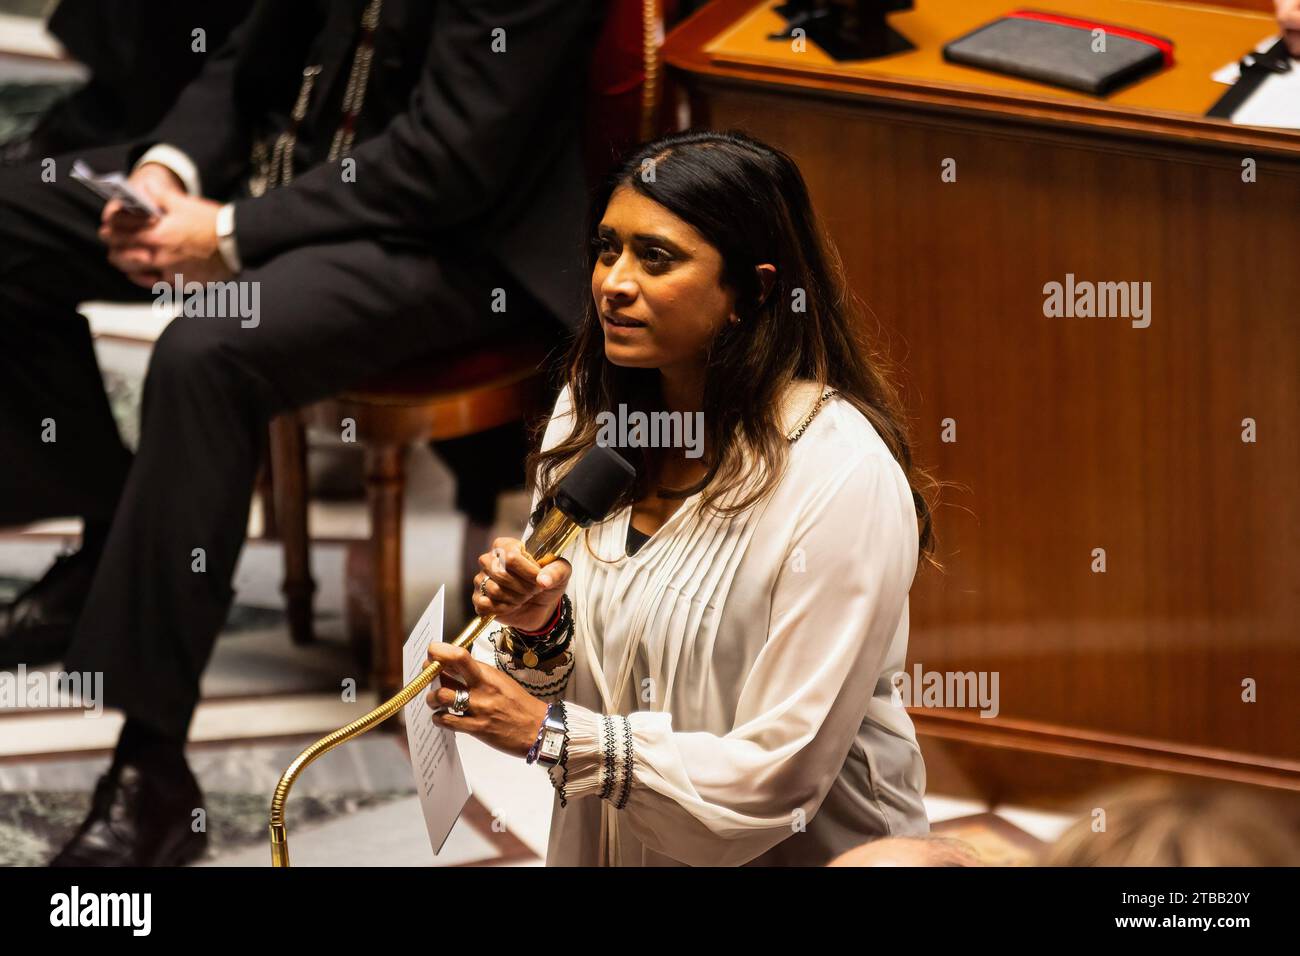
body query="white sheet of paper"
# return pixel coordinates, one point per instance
(435, 760)
(1276, 103)
(1229, 73)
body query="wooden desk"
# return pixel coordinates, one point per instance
(1072, 433)
(1205, 38)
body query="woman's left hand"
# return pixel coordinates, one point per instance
(500, 712)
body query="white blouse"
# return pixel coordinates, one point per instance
(727, 689)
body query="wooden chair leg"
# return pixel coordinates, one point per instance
(289, 470)
(359, 599)
(385, 484)
(266, 491)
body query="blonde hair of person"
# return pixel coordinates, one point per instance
(1165, 822)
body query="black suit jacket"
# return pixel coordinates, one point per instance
(457, 144)
(140, 54)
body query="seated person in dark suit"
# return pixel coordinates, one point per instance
(377, 181)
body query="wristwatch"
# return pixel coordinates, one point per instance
(549, 746)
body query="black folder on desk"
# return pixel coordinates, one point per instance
(1062, 51)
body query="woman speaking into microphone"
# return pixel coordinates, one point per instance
(706, 678)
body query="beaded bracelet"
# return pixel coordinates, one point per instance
(548, 626)
(552, 640)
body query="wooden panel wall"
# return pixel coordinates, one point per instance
(1081, 433)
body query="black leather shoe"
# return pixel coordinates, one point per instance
(142, 815)
(36, 627)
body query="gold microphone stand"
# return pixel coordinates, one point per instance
(547, 541)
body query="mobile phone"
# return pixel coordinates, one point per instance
(109, 186)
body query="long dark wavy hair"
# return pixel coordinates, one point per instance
(750, 202)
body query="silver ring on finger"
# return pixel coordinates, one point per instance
(482, 586)
(459, 704)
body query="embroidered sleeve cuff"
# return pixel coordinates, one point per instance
(598, 757)
(547, 680)
(177, 162)
(547, 685)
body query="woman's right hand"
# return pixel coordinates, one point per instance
(519, 592)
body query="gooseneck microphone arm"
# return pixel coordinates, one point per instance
(584, 496)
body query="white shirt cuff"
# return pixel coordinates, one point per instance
(599, 757)
(177, 162)
(226, 244)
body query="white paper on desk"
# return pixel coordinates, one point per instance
(435, 760)
(1230, 73)
(1275, 103)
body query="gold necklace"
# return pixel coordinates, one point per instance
(803, 426)
(791, 438)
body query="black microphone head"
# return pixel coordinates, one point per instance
(589, 490)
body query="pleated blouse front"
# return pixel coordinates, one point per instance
(728, 698)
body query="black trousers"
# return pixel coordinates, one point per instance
(330, 316)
